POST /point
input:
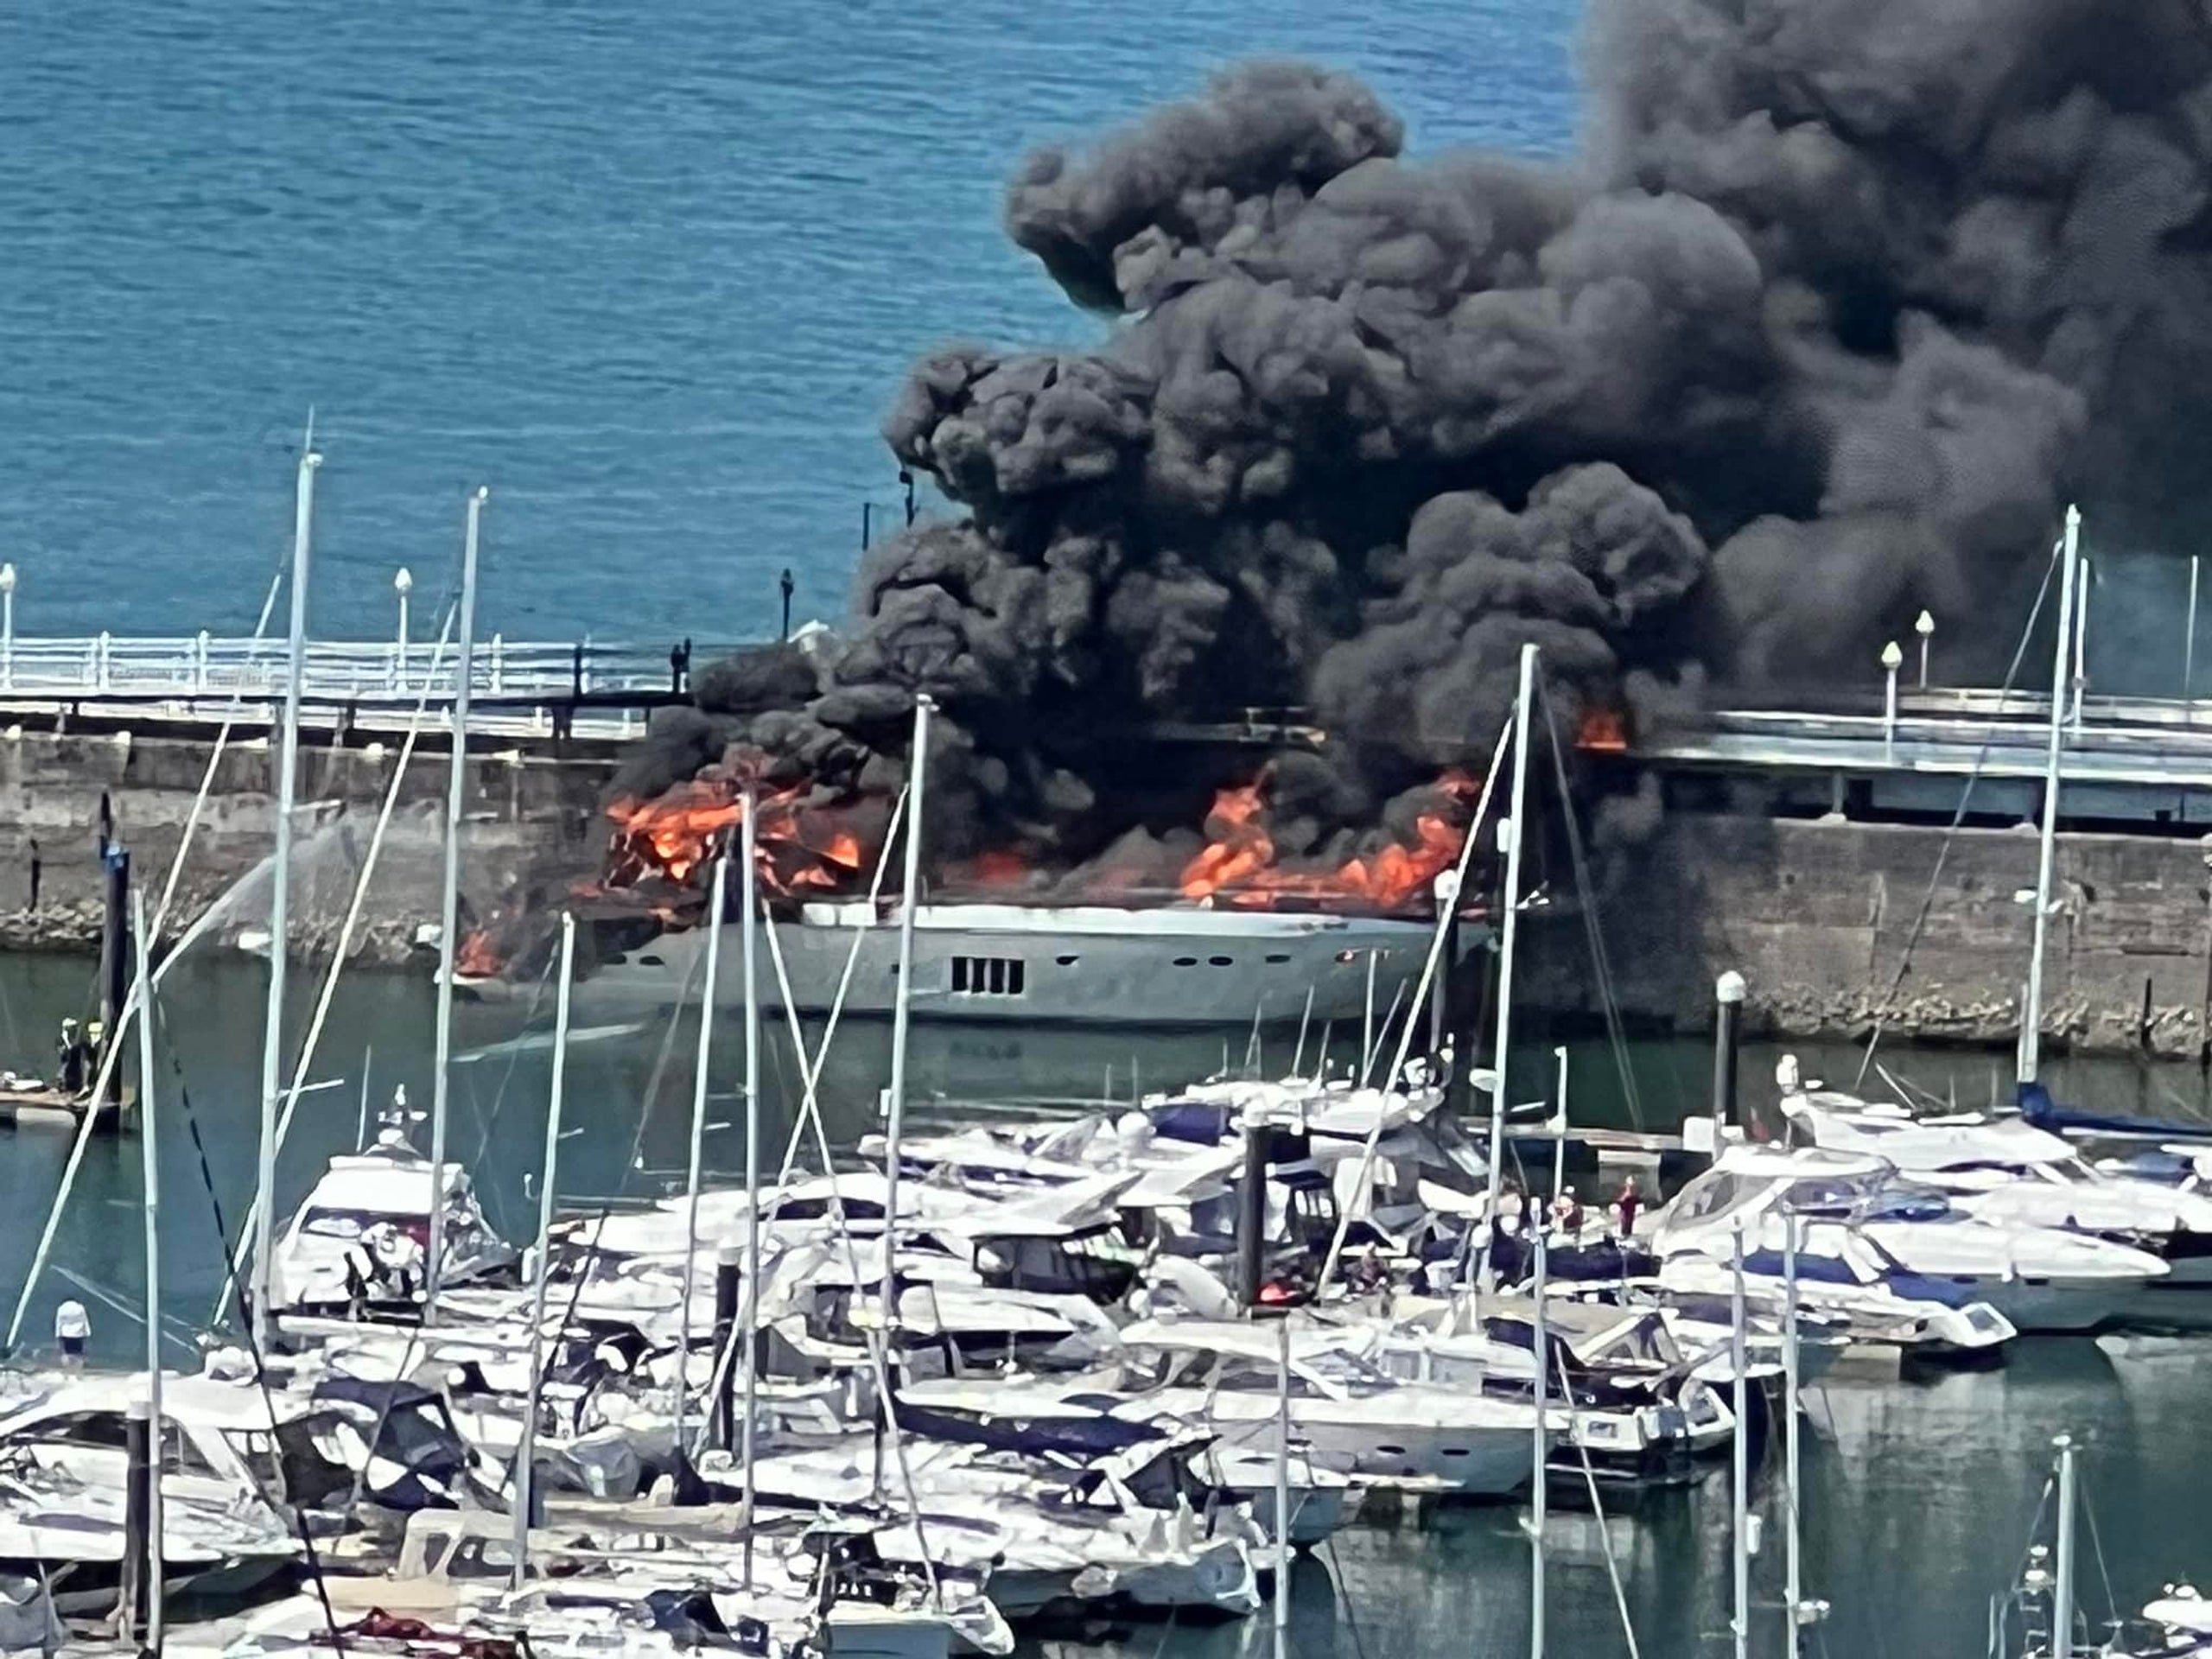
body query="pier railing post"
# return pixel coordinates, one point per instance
(8, 625)
(498, 664)
(1728, 993)
(1892, 660)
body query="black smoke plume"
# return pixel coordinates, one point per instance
(1840, 300)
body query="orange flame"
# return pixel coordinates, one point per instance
(1604, 731)
(1237, 865)
(675, 833)
(476, 958)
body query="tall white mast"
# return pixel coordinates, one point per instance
(1281, 1612)
(2031, 1016)
(750, 1310)
(526, 1453)
(2061, 1598)
(449, 908)
(1506, 938)
(150, 1164)
(1539, 1498)
(715, 906)
(1739, 1471)
(1792, 1536)
(901, 1016)
(280, 925)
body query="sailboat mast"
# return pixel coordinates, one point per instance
(2062, 1595)
(1523, 699)
(1282, 1490)
(716, 907)
(526, 1453)
(1740, 1621)
(1792, 1542)
(901, 1011)
(450, 909)
(2031, 1016)
(750, 1310)
(1538, 1496)
(280, 925)
(150, 1164)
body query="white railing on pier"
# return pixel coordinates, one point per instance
(333, 671)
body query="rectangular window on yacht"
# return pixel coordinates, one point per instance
(988, 976)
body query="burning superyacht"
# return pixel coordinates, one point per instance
(1231, 933)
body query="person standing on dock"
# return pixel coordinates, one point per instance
(70, 1058)
(1628, 1204)
(72, 1328)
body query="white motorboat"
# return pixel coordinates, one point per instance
(1344, 1411)
(1058, 1544)
(379, 1201)
(1074, 1415)
(1841, 1284)
(674, 1574)
(2181, 1621)
(2039, 1278)
(1095, 965)
(2004, 1169)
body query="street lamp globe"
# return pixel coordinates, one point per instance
(1923, 624)
(7, 578)
(404, 582)
(1893, 656)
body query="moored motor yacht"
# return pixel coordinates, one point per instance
(1345, 1411)
(1094, 964)
(2004, 1169)
(2039, 1278)
(378, 1202)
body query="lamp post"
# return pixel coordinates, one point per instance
(1892, 660)
(2189, 643)
(402, 583)
(2081, 639)
(8, 625)
(1924, 625)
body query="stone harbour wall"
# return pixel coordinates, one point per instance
(1817, 914)
(521, 807)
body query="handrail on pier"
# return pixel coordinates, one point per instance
(335, 670)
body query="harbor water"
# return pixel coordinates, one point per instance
(1919, 1494)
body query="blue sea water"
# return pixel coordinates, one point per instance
(653, 273)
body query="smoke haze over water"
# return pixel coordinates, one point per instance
(1840, 303)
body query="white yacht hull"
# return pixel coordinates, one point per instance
(1477, 1461)
(2061, 1305)
(1020, 964)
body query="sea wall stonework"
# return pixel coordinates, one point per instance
(1818, 914)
